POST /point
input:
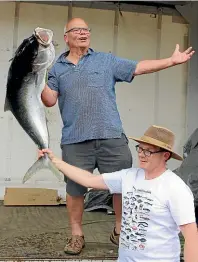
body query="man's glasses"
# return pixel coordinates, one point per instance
(148, 152)
(78, 30)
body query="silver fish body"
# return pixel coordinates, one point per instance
(25, 83)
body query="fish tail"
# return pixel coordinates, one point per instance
(42, 163)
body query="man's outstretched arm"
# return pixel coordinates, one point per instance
(150, 66)
(76, 174)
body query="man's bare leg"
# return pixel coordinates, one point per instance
(75, 207)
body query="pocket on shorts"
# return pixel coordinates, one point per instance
(117, 142)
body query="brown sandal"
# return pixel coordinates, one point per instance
(114, 237)
(74, 245)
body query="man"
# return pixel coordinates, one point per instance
(83, 82)
(157, 204)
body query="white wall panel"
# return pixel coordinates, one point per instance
(137, 36)
(6, 43)
(138, 39)
(173, 84)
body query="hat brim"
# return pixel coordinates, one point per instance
(156, 143)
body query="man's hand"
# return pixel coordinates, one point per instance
(181, 57)
(40, 153)
(55, 160)
(49, 97)
(151, 66)
(50, 154)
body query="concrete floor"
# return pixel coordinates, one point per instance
(40, 233)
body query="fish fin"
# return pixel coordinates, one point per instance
(6, 105)
(11, 59)
(42, 163)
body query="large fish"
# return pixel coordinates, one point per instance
(25, 83)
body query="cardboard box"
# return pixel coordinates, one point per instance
(31, 197)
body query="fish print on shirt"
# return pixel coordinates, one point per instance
(135, 219)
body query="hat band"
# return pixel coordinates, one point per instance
(156, 142)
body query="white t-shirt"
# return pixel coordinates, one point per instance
(152, 211)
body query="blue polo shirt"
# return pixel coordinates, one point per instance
(87, 99)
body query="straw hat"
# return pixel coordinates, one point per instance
(161, 137)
